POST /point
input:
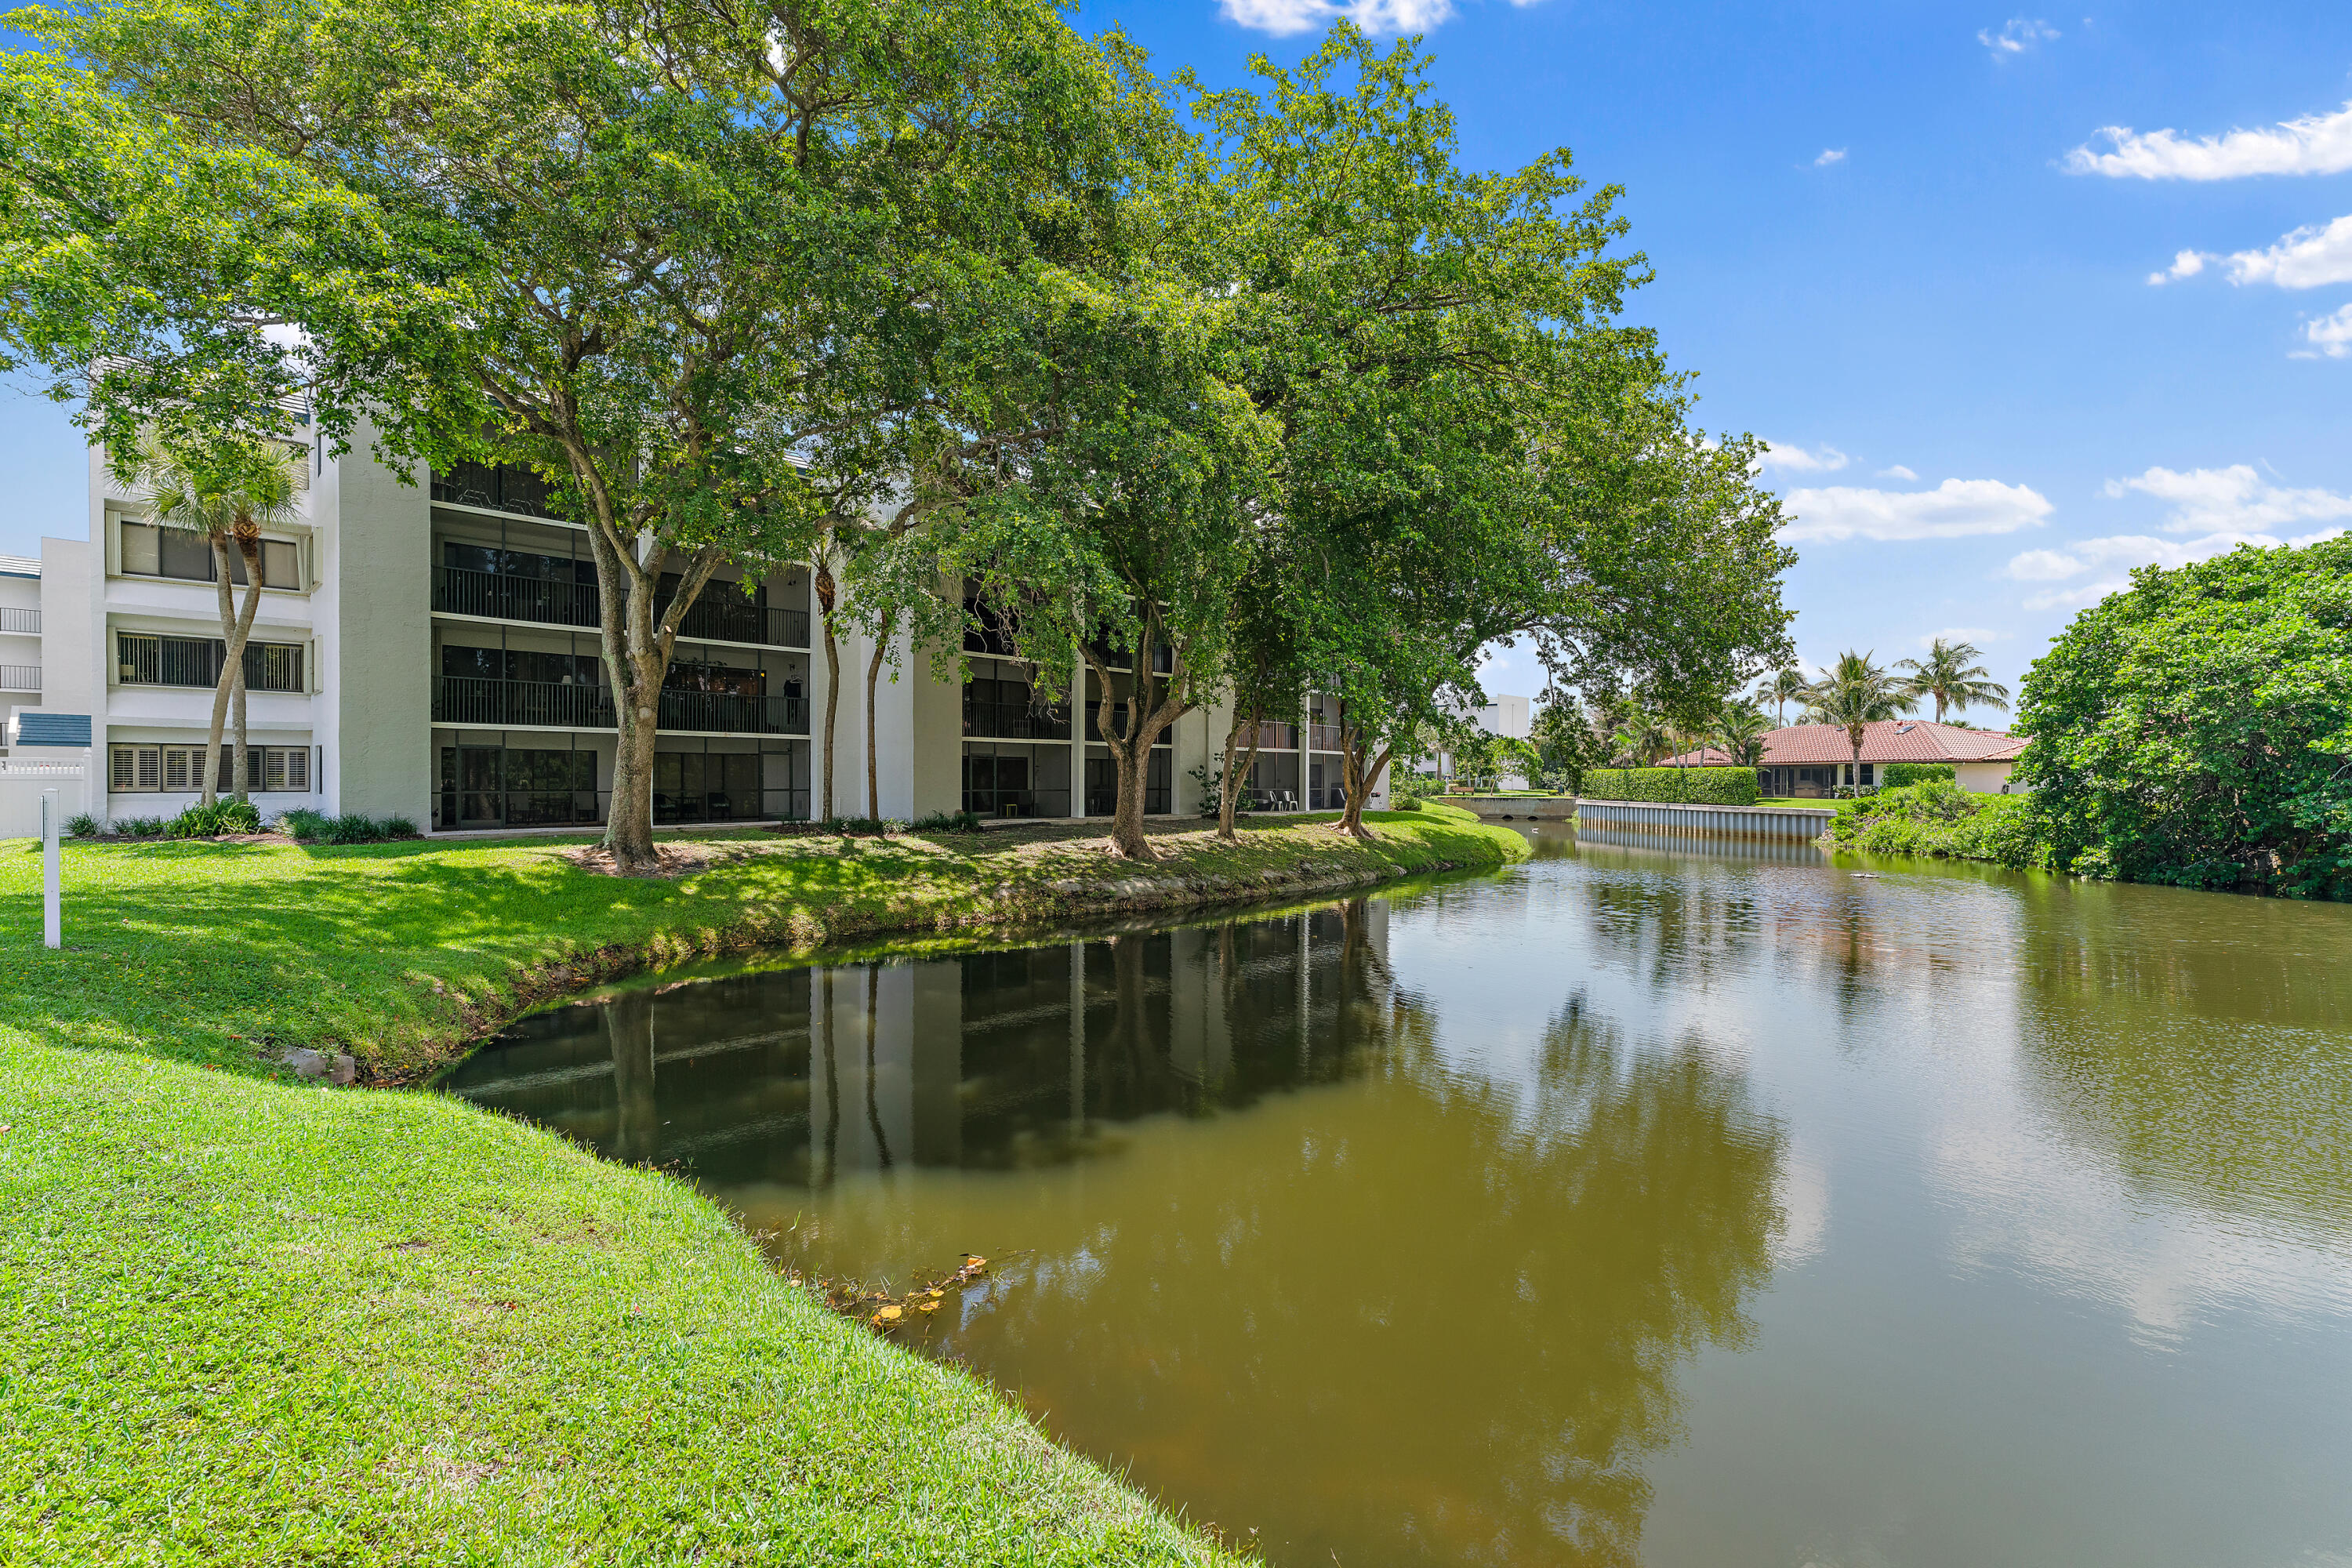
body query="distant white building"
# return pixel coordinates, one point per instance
(1508, 718)
(431, 650)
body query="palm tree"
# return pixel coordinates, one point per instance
(1778, 687)
(1645, 736)
(1950, 675)
(1854, 692)
(1740, 730)
(229, 496)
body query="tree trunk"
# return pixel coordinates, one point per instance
(1363, 775)
(1853, 739)
(208, 787)
(1229, 783)
(826, 594)
(1130, 752)
(873, 677)
(637, 649)
(248, 546)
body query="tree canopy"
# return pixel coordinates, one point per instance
(2196, 728)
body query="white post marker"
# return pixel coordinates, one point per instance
(50, 935)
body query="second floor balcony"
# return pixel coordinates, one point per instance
(720, 615)
(483, 702)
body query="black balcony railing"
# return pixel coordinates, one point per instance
(1014, 720)
(481, 702)
(499, 597)
(722, 614)
(1325, 738)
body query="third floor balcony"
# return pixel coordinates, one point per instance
(722, 614)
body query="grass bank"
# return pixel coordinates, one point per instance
(247, 1322)
(403, 954)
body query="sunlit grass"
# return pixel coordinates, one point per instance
(247, 1322)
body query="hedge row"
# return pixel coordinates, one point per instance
(1672, 786)
(1894, 775)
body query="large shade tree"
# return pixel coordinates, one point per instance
(657, 253)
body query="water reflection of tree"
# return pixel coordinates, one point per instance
(1428, 1320)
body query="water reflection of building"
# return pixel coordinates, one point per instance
(989, 1060)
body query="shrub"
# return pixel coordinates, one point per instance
(304, 824)
(137, 826)
(83, 826)
(1674, 786)
(1894, 775)
(1939, 819)
(1407, 785)
(309, 826)
(211, 821)
(949, 822)
(860, 826)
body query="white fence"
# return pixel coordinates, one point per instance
(21, 785)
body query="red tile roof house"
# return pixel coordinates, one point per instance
(1809, 761)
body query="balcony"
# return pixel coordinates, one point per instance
(1325, 738)
(20, 678)
(720, 615)
(1014, 720)
(479, 702)
(27, 621)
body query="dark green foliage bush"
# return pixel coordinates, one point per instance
(310, 827)
(949, 822)
(139, 827)
(211, 821)
(1405, 784)
(1940, 818)
(2196, 729)
(1406, 803)
(1894, 775)
(83, 826)
(1672, 786)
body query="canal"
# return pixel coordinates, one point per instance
(1635, 1205)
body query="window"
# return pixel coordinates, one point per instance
(179, 770)
(148, 659)
(152, 552)
(501, 487)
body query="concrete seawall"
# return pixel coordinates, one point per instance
(1751, 824)
(1747, 823)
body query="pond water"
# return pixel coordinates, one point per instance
(1631, 1206)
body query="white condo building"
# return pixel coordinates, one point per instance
(430, 649)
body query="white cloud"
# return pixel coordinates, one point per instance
(2329, 335)
(2233, 499)
(1956, 508)
(1283, 17)
(1959, 633)
(2315, 144)
(2308, 259)
(2019, 36)
(2231, 505)
(2188, 263)
(1898, 472)
(1797, 461)
(1829, 155)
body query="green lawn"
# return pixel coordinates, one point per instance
(242, 1321)
(401, 953)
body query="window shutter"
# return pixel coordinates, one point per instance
(273, 770)
(181, 768)
(150, 767)
(297, 770)
(122, 768)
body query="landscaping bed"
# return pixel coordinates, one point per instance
(247, 1322)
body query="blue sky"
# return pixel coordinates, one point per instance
(2023, 299)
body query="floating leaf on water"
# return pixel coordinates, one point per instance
(887, 1314)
